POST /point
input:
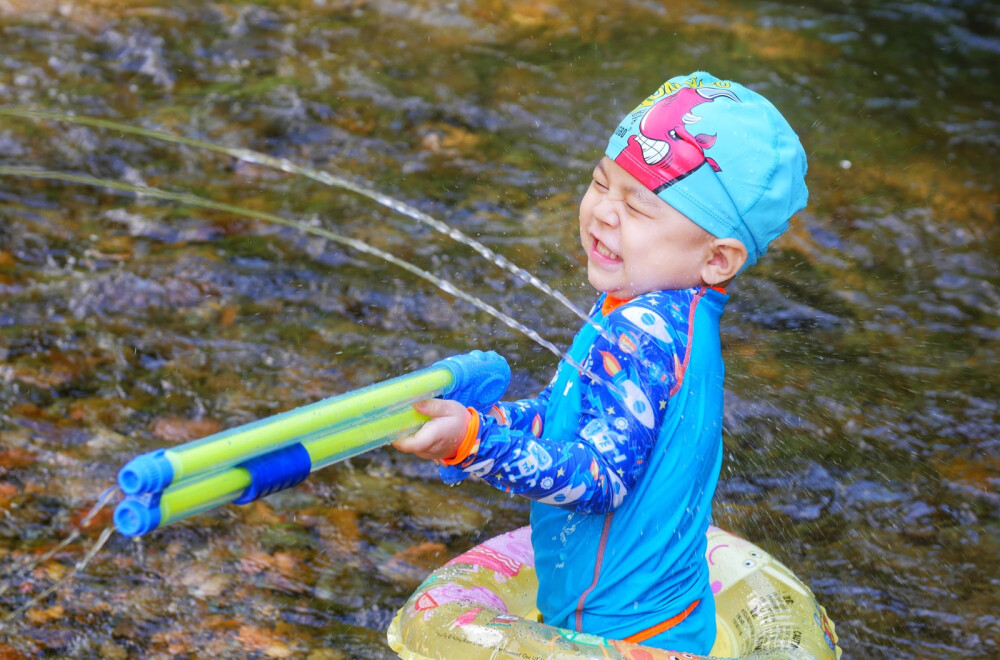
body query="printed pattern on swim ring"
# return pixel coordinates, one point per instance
(475, 607)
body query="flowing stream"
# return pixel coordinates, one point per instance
(861, 411)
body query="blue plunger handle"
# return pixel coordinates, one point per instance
(480, 378)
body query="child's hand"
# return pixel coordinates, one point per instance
(440, 436)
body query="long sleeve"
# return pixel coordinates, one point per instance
(593, 469)
(526, 414)
(521, 419)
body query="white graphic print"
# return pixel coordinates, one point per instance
(606, 440)
(649, 322)
(565, 495)
(637, 404)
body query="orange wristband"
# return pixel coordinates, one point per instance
(469, 442)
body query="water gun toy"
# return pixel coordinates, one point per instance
(251, 461)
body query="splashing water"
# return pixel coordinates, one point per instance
(861, 434)
(361, 246)
(285, 165)
(79, 566)
(30, 565)
(27, 566)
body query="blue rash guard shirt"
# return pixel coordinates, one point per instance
(621, 469)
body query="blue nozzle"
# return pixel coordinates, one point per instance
(481, 378)
(135, 516)
(148, 473)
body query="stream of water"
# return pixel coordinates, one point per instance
(861, 411)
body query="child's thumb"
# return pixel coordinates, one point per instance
(432, 407)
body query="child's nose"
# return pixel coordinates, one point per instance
(608, 211)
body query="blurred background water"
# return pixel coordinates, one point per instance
(861, 425)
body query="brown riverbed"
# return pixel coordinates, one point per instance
(862, 420)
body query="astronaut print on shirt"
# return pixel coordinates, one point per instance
(620, 416)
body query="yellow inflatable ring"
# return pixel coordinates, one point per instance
(481, 605)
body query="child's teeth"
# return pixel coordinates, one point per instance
(603, 250)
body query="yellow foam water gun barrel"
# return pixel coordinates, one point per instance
(251, 461)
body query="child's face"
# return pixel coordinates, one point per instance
(635, 242)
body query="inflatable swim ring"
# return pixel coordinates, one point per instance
(481, 605)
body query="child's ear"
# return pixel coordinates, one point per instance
(728, 256)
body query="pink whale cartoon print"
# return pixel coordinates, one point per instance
(664, 142)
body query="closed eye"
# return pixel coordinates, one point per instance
(637, 210)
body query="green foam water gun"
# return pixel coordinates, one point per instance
(251, 461)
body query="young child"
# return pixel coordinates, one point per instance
(694, 185)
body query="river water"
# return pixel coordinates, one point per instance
(862, 425)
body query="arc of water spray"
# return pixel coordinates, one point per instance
(29, 566)
(285, 165)
(360, 246)
(79, 566)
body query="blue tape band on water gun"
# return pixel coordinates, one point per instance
(275, 471)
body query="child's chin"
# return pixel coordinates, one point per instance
(598, 282)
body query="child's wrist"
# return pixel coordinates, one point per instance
(469, 440)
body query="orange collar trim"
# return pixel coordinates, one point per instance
(611, 304)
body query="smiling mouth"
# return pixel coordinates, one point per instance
(602, 249)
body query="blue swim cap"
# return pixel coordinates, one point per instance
(719, 153)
